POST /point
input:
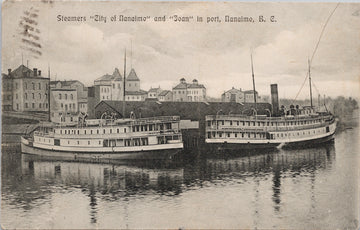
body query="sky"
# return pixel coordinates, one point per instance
(216, 54)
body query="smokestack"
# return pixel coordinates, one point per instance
(39, 72)
(35, 72)
(274, 99)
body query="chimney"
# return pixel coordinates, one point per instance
(35, 72)
(9, 71)
(274, 99)
(39, 72)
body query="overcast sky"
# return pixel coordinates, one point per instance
(217, 54)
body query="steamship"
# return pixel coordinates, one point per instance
(109, 138)
(280, 127)
(154, 138)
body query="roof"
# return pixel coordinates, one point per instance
(186, 110)
(196, 86)
(24, 72)
(109, 77)
(117, 76)
(164, 93)
(132, 76)
(249, 91)
(63, 89)
(154, 89)
(141, 92)
(181, 86)
(65, 82)
(233, 90)
(106, 77)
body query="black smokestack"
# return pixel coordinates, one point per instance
(274, 99)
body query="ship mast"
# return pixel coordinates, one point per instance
(253, 79)
(311, 102)
(123, 107)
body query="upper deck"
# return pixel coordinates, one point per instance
(265, 124)
(121, 128)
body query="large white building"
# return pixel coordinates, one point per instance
(193, 92)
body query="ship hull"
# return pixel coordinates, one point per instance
(164, 153)
(257, 144)
(309, 143)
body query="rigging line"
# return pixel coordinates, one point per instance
(317, 45)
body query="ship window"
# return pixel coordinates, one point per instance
(258, 123)
(133, 128)
(91, 132)
(230, 122)
(253, 123)
(220, 134)
(242, 134)
(85, 131)
(117, 130)
(208, 134)
(282, 135)
(243, 123)
(222, 122)
(99, 142)
(68, 142)
(78, 142)
(125, 130)
(78, 131)
(110, 130)
(60, 131)
(209, 123)
(249, 135)
(248, 123)
(235, 134)
(97, 131)
(88, 142)
(277, 135)
(228, 134)
(272, 123)
(103, 130)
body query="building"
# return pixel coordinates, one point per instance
(249, 96)
(64, 106)
(233, 95)
(140, 95)
(82, 105)
(25, 90)
(81, 91)
(189, 92)
(154, 92)
(110, 86)
(239, 96)
(166, 95)
(132, 82)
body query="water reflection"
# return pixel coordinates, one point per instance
(29, 181)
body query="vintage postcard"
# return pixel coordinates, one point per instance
(180, 115)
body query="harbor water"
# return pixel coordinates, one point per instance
(308, 188)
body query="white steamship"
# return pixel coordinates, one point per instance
(155, 138)
(281, 127)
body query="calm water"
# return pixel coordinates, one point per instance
(314, 188)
